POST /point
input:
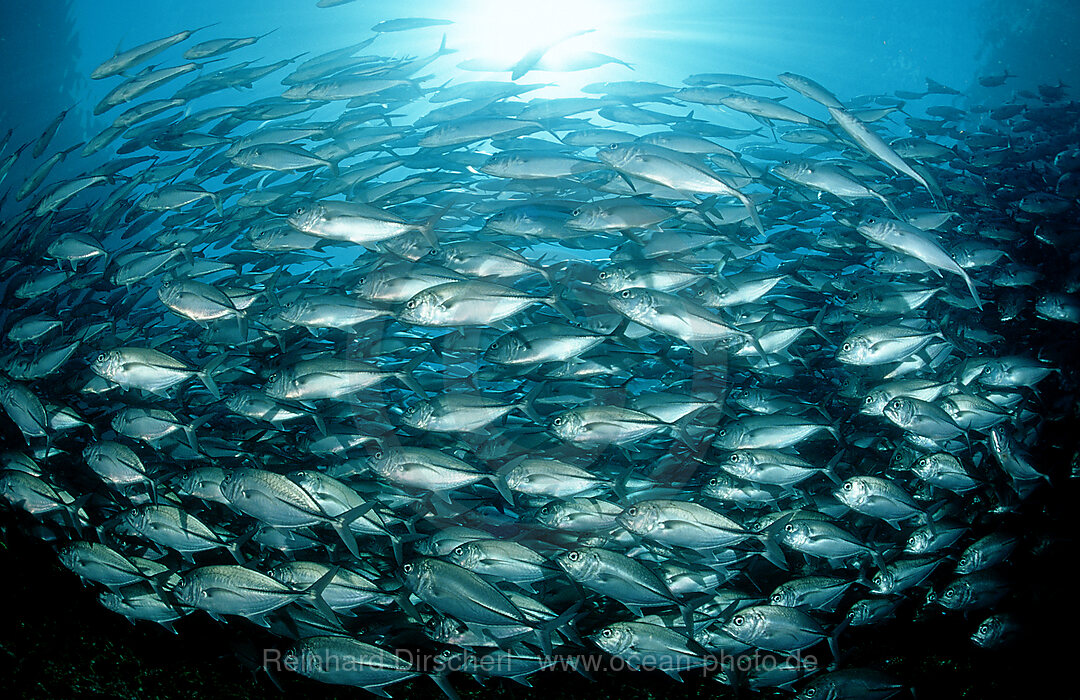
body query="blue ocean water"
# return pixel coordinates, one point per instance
(853, 47)
(48, 50)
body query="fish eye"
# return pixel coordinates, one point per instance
(606, 633)
(632, 511)
(897, 403)
(625, 294)
(378, 455)
(458, 551)
(101, 357)
(949, 593)
(923, 462)
(557, 421)
(854, 296)
(272, 377)
(847, 346)
(811, 692)
(722, 432)
(576, 212)
(713, 482)
(299, 211)
(789, 528)
(407, 568)
(738, 621)
(574, 556)
(847, 486)
(869, 399)
(871, 220)
(777, 597)
(613, 146)
(410, 304)
(545, 510)
(734, 458)
(603, 275)
(165, 283)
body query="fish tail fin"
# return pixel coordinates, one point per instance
(407, 378)
(442, 51)
(206, 376)
(830, 468)
(427, 230)
(210, 384)
(500, 485)
(189, 431)
(971, 288)
(72, 510)
(815, 324)
(752, 339)
(548, 629)
(320, 424)
(772, 552)
(235, 545)
(682, 431)
(241, 324)
(440, 678)
(834, 647)
(395, 547)
(705, 209)
(314, 594)
(888, 205)
(752, 210)
(619, 486)
(878, 559)
(342, 525)
(527, 403)
(554, 300)
(686, 610)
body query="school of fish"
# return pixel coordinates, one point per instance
(379, 357)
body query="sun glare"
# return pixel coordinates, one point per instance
(503, 31)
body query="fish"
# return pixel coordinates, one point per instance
(876, 146)
(408, 23)
(431, 374)
(904, 238)
(673, 170)
(122, 61)
(339, 660)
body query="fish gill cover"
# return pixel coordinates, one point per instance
(468, 346)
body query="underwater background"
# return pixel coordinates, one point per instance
(57, 641)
